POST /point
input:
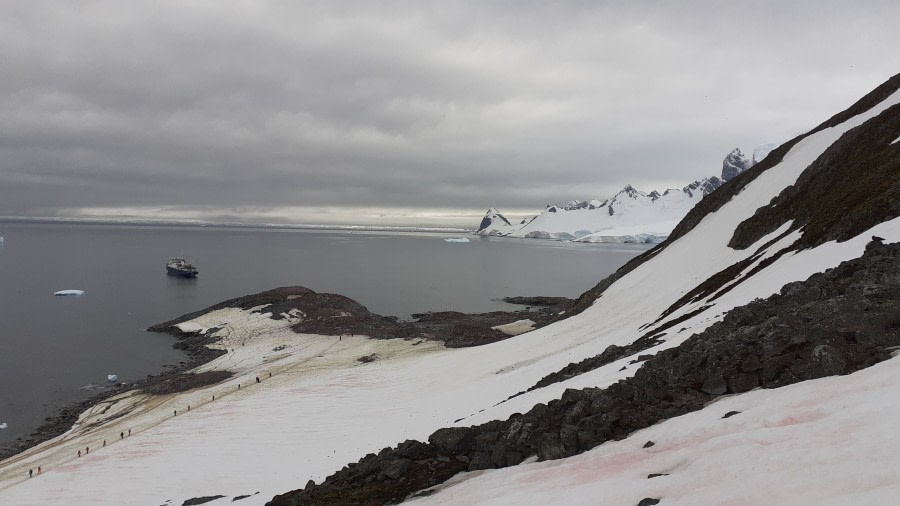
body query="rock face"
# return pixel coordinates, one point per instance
(837, 322)
(734, 164)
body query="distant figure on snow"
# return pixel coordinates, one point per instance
(79, 453)
(129, 432)
(87, 449)
(104, 443)
(121, 435)
(39, 469)
(257, 379)
(30, 473)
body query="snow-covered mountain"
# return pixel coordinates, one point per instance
(745, 360)
(629, 216)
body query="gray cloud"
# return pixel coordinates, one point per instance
(405, 108)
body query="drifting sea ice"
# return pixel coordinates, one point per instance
(456, 239)
(67, 293)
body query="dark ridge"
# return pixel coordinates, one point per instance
(540, 301)
(834, 323)
(759, 267)
(336, 315)
(853, 186)
(715, 200)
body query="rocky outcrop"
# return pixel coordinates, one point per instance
(837, 322)
(558, 302)
(335, 315)
(734, 164)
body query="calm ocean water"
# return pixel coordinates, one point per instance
(54, 349)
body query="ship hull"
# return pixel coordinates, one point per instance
(172, 271)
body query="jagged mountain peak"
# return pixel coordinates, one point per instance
(704, 186)
(493, 218)
(734, 164)
(630, 191)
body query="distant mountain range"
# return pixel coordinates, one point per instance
(630, 216)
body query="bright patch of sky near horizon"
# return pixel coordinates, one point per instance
(404, 112)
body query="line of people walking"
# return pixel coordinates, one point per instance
(87, 449)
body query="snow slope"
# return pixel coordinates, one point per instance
(831, 441)
(322, 408)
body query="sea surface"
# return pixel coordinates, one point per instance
(59, 350)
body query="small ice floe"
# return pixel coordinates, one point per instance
(68, 293)
(112, 378)
(3, 425)
(456, 239)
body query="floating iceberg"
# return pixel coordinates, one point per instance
(456, 239)
(3, 425)
(112, 378)
(65, 293)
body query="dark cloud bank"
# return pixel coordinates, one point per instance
(405, 112)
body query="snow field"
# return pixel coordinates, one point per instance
(831, 441)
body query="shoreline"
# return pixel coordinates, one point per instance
(455, 329)
(65, 417)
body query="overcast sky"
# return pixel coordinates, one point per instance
(406, 112)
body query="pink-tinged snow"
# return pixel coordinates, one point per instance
(832, 441)
(322, 408)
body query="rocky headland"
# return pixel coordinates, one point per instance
(325, 314)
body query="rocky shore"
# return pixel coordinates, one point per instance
(62, 421)
(326, 314)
